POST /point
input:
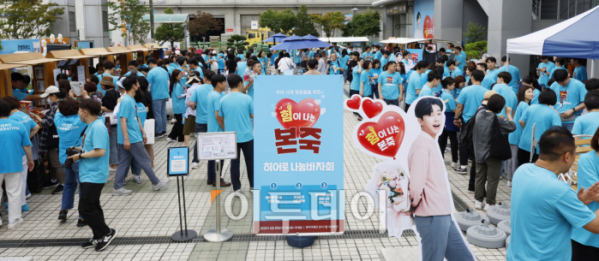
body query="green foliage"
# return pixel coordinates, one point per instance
(237, 42)
(128, 15)
(329, 22)
(26, 19)
(474, 33)
(304, 24)
(475, 50)
(364, 24)
(278, 22)
(170, 32)
(203, 22)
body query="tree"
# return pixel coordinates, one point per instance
(128, 14)
(237, 42)
(329, 22)
(304, 24)
(474, 33)
(364, 24)
(475, 50)
(202, 23)
(278, 22)
(170, 32)
(26, 19)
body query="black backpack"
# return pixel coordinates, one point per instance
(466, 136)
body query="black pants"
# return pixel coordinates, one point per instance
(91, 210)
(392, 102)
(375, 91)
(464, 152)
(524, 157)
(351, 93)
(248, 154)
(177, 130)
(212, 169)
(581, 252)
(407, 107)
(453, 138)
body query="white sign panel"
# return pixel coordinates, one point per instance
(254, 25)
(217, 145)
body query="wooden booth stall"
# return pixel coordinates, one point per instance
(154, 49)
(77, 62)
(102, 54)
(121, 56)
(137, 52)
(43, 69)
(5, 79)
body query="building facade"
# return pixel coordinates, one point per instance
(83, 20)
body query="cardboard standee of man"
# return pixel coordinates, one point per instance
(387, 132)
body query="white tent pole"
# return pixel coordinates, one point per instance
(507, 60)
(592, 68)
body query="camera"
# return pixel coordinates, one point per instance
(70, 152)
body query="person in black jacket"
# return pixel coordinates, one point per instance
(110, 101)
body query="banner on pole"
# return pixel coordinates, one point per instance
(299, 155)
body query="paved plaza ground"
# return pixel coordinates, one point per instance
(146, 220)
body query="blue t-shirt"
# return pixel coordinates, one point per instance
(461, 58)
(241, 56)
(424, 76)
(543, 117)
(200, 71)
(200, 97)
(138, 74)
(580, 73)
(263, 63)
(128, 110)
(425, 91)
(588, 174)
(543, 216)
(142, 113)
(236, 108)
(14, 137)
(95, 170)
(158, 78)
(343, 61)
(178, 103)
(20, 95)
(471, 97)
(390, 85)
(558, 68)
(377, 55)
(515, 73)
(543, 76)
(384, 61)
(69, 130)
(241, 66)
(365, 81)
(334, 64)
(586, 124)
(569, 96)
(24, 119)
(355, 83)
(511, 100)
(535, 97)
(489, 79)
(365, 54)
(456, 72)
(375, 73)
(221, 63)
(213, 101)
(514, 137)
(414, 83)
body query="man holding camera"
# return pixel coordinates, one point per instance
(93, 174)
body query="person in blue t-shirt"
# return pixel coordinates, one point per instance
(109, 69)
(511, 100)
(491, 76)
(335, 65)
(93, 174)
(15, 144)
(570, 97)
(194, 65)
(544, 70)
(525, 96)
(542, 117)
(454, 70)
(131, 139)
(374, 78)
(414, 83)
(237, 109)
(460, 59)
(432, 82)
(176, 89)
(216, 123)
(390, 87)
(588, 124)
(158, 80)
(560, 64)
(450, 131)
(19, 88)
(256, 69)
(133, 67)
(580, 72)
(547, 209)
(514, 72)
(356, 71)
(365, 89)
(199, 102)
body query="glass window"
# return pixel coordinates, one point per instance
(72, 24)
(251, 35)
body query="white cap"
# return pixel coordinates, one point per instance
(51, 90)
(120, 82)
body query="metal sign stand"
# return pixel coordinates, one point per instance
(218, 234)
(184, 234)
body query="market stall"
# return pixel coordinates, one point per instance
(137, 52)
(121, 56)
(155, 50)
(102, 54)
(76, 63)
(5, 79)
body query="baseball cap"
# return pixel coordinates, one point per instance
(51, 90)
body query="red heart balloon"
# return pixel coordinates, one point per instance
(428, 27)
(354, 102)
(372, 108)
(383, 137)
(302, 114)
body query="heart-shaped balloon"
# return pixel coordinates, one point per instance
(383, 137)
(372, 108)
(354, 102)
(428, 27)
(302, 114)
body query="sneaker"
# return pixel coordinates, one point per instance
(509, 183)
(461, 170)
(28, 196)
(58, 190)
(478, 205)
(455, 165)
(169, 140)
(194, 165)
(15, 224)
(62, 215)
(81, 223)
(104, 242)
(137, 179)
(161, 185)
(121, 192)
(89, 244)
(50, 184)
(163, 134)
(111, 169)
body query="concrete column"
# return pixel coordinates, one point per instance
(509, 19)
(447, 19)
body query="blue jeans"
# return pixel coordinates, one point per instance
(70, 186)
(440, 238)
(159, 109)
(195, 153)
(568, 126)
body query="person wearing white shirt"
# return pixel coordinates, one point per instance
(285, 63)
(322, 66)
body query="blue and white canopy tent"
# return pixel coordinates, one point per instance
(295, 42)
(277, 38)
(573, 38)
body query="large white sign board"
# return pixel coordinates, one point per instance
(217, 145)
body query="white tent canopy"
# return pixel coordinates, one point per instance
(344, 39)
(402, 40)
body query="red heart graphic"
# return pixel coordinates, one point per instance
(383, 137)
(302, 114)
(354, 102)
(372, 108)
